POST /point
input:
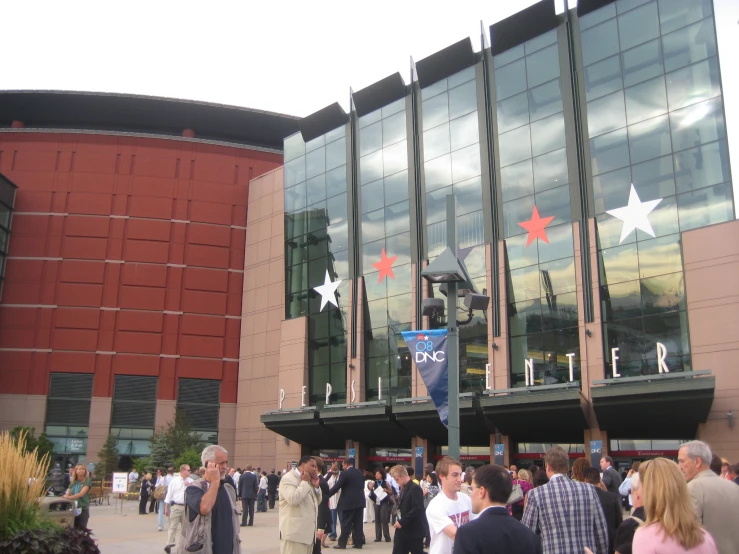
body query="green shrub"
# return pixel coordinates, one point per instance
(190, 457)
(67, 540)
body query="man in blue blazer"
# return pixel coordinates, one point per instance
(494, 531)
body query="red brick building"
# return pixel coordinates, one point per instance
(122, 293)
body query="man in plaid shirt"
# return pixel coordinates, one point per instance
(566, 514)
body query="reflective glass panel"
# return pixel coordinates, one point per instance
(545, 100)
(435, 111)
(393, 128)
(436, 142)
(646, 100)
(542, 66)
(705, 207)
(638, 26)
(689, 45)
(693, 84)
(510, 79)
(550, 170)
(466, 163)
(603, 78)
(702, 166)
(609, 152)
(642, 63)
(462, 99)
(513, 112)
(464, 131)
(699, 123)
(438, 172)
(606, 114)
(514, 146)
(517, 180)
(599, 42)
(548, 134)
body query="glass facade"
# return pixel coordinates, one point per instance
(657, 147)
(452, 164)
(386, 248)
(7, 201)
(317, 248)
(534, 183)
(616, 116)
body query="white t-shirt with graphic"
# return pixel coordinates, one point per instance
(442, 511)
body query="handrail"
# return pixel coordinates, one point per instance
(656, 376)
(358, 404)
(292, 410)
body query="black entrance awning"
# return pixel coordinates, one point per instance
(303, 427)
(371, 423)
(420, 418)
(666, 406)
(556, 412)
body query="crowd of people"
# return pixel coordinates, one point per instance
(658, 506)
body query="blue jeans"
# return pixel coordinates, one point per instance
(334, 515)
(262, 500)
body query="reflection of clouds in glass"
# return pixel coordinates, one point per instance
(548, 134)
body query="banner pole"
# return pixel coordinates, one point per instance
(452, 336)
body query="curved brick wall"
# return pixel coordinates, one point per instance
(126, 256)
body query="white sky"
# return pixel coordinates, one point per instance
(292, 57)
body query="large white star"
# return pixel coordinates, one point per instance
(635, 214)
(328, 291)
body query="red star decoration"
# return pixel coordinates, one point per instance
(535, 226)
(385, 265)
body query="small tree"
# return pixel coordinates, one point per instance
(180, 434)
(42, 445)
(161, 451)
(108, 457)
(190, 457)
(142, 465)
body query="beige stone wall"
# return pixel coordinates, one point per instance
(164, 413)
(711, 261)
(28, 410)
(262, 320)
(100, 413)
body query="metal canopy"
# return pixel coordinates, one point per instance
(446, 62)
(421, 419)
(321, 122)
(131, 113)
(555, 413)
(371, 423)
(379, 94)
(665, 408)
(523, 26)
(303, 427)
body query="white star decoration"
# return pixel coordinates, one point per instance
(328, 291)
(635, 214)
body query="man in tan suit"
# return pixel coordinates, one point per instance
(716, 500)
(300, 495)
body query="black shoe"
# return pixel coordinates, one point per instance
(168, 548)
(378, 540)
(388, 540)
(243, 525)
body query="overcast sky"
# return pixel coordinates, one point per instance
(292, 57)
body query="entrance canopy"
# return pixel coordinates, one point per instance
(667, 405)
(556, 412)
(420, 418)
(371, 423)
(302, 426)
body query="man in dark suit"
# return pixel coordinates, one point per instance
(272, 482)
(351, 504)
(494, 531)
(564, 513)
(611, 478)
(248, 485)
(409, 527)
(611, 504)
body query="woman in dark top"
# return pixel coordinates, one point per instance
(324, 512)
(384, 507)
(146, 488)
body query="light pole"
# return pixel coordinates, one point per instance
(446, 268)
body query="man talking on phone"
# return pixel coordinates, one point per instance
(212, 499)
(300, 495)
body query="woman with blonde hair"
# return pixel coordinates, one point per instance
(671, 526)
(79, 490)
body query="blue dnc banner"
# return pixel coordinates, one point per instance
(428, 348)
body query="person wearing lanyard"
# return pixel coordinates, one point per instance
(495, 530)
(79, 490)
(174, 505)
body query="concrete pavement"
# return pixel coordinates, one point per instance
(134, 533)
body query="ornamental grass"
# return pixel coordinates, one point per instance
(23, 481)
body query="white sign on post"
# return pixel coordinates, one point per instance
(120, 482)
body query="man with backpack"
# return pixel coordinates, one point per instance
(211, 523)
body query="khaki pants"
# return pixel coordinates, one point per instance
(292, 547)
(176, 519)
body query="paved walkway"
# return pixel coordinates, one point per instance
(130, 532)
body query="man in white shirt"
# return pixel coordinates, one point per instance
(237, 476)
(449, 510)
(133, 478)
(174, 504)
